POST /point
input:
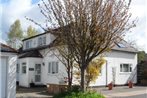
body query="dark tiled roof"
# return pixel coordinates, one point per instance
(37, 48)
(5, 48)
(35, 36)
(34, 53)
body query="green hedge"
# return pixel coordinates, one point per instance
(71, 94)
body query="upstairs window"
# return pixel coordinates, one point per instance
(125, 67)
(40, 41)
(28, 44)
(44, 40)
(53, 67)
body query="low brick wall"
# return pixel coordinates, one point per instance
(56, 88)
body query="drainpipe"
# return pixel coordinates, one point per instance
(106, 73)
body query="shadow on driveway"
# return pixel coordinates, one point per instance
(35, 92)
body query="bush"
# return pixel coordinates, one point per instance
(75, 88)
(79, 95)
(84, 95)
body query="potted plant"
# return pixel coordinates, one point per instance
(130, 84)
(32, 84)
(110, 86)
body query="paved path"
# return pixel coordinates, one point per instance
(36, 92)
(124, 92)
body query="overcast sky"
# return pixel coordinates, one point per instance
(10, 10)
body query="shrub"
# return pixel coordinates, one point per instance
(75, 88)
(84, 95)
(79, 95)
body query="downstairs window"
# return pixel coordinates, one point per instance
(125, 67)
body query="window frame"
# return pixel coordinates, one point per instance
(24, 71)
(40, 41)
(17, 68)
(44, 40)
(122, 68)
(28, 44)
(53, 67)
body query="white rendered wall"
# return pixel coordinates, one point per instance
(114, 59)
(11, 75)
(48, 77)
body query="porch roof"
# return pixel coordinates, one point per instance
(5, 48)
(34, 53)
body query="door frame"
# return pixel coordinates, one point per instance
(37, 74)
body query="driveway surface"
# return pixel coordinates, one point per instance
(36, 92)
(117, 92)
(124, 92)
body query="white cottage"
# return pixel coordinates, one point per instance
(8, 57)
(38, 65)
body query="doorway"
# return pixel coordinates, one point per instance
(37, 73)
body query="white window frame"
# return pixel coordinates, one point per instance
(122, 70)
(24, 71)
(17, 68)
(28, 44)
(40, 41)
(44, 40)
(53, 67)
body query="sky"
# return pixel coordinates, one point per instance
(10, 10)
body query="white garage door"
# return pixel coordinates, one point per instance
(3, 79)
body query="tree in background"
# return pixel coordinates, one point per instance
(31, 31)
(141, 56)
(15, 34)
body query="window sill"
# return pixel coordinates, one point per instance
(125, 73)
(24, 73)
(52, 74)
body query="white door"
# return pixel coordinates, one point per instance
(37, 73)
(3, 77)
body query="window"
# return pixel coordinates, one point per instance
(125, 67)
(120, 45)
(24, 68)
(53, 67)
(28, 44)
(40, 41)
(17, 68)
(44, 40)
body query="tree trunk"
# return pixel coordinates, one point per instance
(70, 74)
(82, 79)
(69, 80)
